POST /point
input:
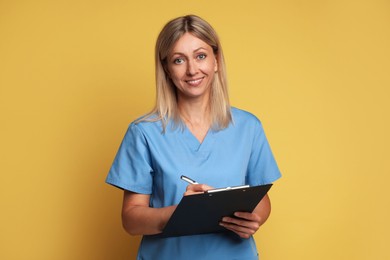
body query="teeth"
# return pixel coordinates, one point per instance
(196, 81)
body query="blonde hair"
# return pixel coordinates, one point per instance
(166, 99)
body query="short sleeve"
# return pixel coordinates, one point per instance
(131, 169)
(262, 167)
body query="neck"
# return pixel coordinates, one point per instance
(196, 117)
(195, 112)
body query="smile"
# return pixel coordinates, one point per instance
(194, 82)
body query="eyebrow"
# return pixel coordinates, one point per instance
(196, 50)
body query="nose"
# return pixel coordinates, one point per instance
(192, 68)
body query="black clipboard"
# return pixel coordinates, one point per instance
(201, 213)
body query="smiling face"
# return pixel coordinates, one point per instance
(191, 67)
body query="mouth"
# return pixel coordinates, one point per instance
(194, 82)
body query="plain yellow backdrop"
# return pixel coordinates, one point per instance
(74, 74)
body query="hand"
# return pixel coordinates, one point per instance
(196, 189)
(244, 224)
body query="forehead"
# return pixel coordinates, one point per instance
(189, 43)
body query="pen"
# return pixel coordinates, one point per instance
(190, 181)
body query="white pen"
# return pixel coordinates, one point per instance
(190, 181)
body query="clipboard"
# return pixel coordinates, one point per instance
(201, 213)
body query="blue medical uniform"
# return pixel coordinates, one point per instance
(151, 162)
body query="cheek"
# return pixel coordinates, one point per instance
(174, 77)
(175, 74)
(211, 68)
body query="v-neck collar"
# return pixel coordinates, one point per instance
(194, 143)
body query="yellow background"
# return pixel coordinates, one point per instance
(73, 74)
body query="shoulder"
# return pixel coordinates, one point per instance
(152, 125)
(145, 125)
(242, 117)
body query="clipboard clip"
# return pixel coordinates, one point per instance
(227, 188)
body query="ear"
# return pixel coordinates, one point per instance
(215, 65)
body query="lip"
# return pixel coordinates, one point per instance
(194, 82)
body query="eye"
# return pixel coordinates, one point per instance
(202, 56)
(178, 61)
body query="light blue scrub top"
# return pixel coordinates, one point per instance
(150, 162)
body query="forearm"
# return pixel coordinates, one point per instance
(143, 220)
(140, 219)
(263, 209)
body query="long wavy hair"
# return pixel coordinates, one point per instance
(166, 108)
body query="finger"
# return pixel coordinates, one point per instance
(254, 225)
(248, 216)
(240, 231)
(191, 192)
(198, 187)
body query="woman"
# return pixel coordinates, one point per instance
(193, 131)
